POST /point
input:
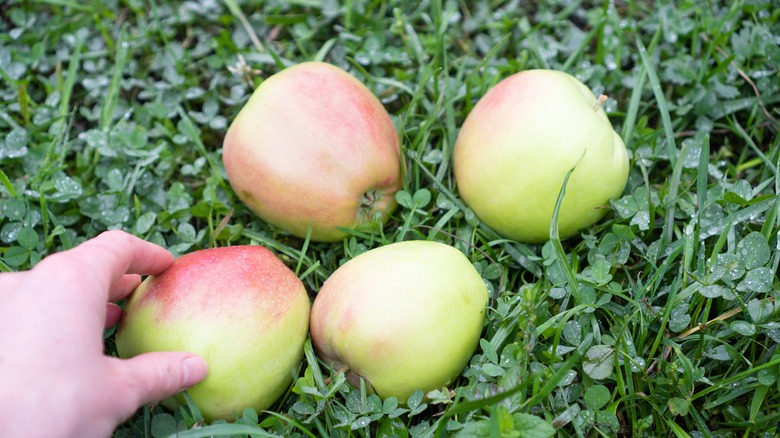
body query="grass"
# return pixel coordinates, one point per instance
(661, 320)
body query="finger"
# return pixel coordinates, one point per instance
(113, 314)
(124, 286)
(152, 377)
(107, 257)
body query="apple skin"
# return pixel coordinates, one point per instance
(313, 146)
(516, 146)
(404, 316)
(240, 308)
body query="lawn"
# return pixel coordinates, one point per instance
(660, 320)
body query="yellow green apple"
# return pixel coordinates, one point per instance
(240, 308)
(313, 147)
(404, 316)
(516, 146)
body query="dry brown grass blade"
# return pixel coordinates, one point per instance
(722, 317)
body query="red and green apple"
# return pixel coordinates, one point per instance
(313, 147)
(240, 308)
(517, 145)
(404, 316)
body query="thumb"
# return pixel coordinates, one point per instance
(152, 377)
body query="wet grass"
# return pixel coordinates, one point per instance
(659, 320)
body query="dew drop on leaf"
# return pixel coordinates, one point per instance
(753, 250)
(568, 378)
(66, 186)
(757, 280)
(638, 364)
(15, 144)
(744, 328)
(361, 423)
(10, 232)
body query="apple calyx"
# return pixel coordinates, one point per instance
(368, 203)
(354, 379)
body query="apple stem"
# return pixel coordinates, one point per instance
(600, 102)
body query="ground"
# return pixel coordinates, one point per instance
(659, 320)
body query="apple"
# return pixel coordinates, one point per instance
(515, 147)
(313, 147)
(240, 308)
(404, 316)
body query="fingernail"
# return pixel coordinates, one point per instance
(194, 369)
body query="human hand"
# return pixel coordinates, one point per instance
(54, 378)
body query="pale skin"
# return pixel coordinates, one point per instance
(55, 379)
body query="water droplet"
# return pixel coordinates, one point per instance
(66, 186)
(10, 232)
(362, 58)
(557, 293)
(193, 93)
(610, 63)
(568, 378)
(95, 138)
(361, 422)
(637, 365)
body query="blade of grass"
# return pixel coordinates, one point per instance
(702, 175)
(321, 272)
(304, 248)
(7, 184)
(560, 318)
(674, 188)
(678, 431)
(735, 378)
(758, 400)
(287, 419)
(767, 229)
(633, 106)
(584, 44)
(311, 359)
(193, 133)
(700, 421)
(120, 59)
(66, 91)
(529, 34)
(323, 52)
(193, 408)
(560, 374)
(223, 429)
(68, 4)
(560, 254)
(508, 324)
(44, 214)
(235, 9)
(673, 289)
(663, 105)
(147, 421)
(495, 421)
(752, 144)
